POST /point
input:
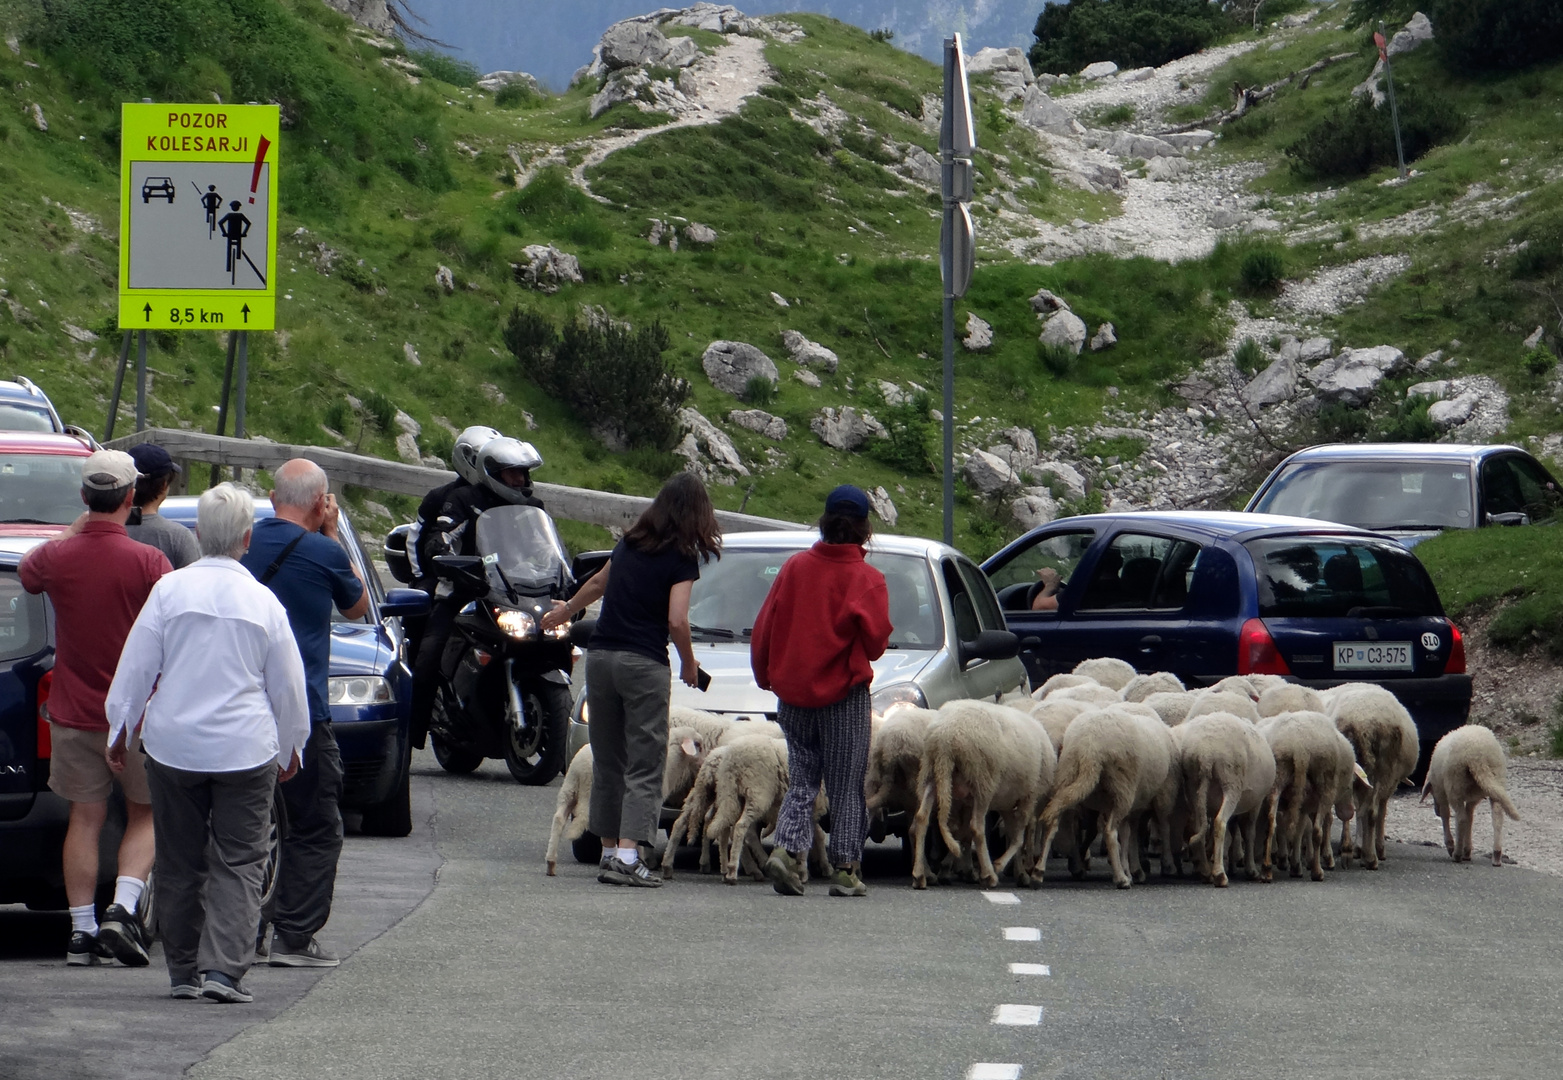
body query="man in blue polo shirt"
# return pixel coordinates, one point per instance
(298, 555)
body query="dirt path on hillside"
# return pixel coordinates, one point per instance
(716, 86)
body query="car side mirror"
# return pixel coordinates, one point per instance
(404, 603)
(1511, 518)
(989, 645)
(581, 632)
(466, 572)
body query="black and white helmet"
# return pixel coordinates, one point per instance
(464, 457)
(503, 453)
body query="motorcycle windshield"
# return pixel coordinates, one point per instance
(524, 547)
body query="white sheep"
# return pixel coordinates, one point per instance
(1061, 681)
(1468, 766)
(1143, 686)
(1107, 670)
(1094, 694)
(895, 756)
(1237, 684)
(1222, 701)
(1384, 739)
(1172, 708)
(980, 757)
(1261, 683)
(1120, 765)
(1055, 715)
(1351, 785)
(1289, 697)
(1228, 772)
(751, 780)
(690, 825)
(1308, 766)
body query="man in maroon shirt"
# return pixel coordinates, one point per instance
(97, 578)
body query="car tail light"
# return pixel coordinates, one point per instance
(1455, 665)
(1256, 651)
(45, 742)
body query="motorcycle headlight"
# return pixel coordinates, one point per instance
(518, 624)
(558, 633)
(905, 694)
(360, 690)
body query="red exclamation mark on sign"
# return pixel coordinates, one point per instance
(260, 159)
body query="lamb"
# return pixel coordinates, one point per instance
(1172, 708)
(983, 757)
(1143, 686)
(751, 780)
(1095, 694)
(1107, 670)
(1237, 684)
(1308, 767)
(710, 726)
(1055, 716)
(1468, 766)
(1222, 701)
(1062, 682)
(1351, 784)
(1289, 697)
(686, 753)
(1228, 771)
(1384, 739)
(1119, 764)
(895, 757)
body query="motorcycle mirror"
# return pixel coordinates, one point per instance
(586, 564)
(466, 572)
(581, 632)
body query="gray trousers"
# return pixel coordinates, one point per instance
(306, 881)
(212, 831)
(628, 697)
(828, 744)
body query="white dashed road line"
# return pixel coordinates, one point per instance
(1022, 933)
(1029, 969)
(1018, 1015)
(1001, 898)
(992, 1070)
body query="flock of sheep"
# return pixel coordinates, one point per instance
(1253, 769)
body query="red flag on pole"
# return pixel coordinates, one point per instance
(1378, 39)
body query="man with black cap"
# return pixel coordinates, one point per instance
(97, 579)
(157, 471)
(824, 622)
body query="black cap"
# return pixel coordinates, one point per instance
(153, 461)
(847, 501)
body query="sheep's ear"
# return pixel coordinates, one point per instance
(690, 747)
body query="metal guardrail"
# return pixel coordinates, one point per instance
(604, 508)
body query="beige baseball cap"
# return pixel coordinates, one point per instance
(107, 470)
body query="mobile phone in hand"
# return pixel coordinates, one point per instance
(702, 679)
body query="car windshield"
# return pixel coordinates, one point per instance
(1374, 494)
(1336, 577)
(18, 417)
(726, 599)
(43, 489)
(525, 548)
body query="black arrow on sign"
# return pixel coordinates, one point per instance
(246, 310)
(148, 310)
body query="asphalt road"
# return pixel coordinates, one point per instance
(1423, 969)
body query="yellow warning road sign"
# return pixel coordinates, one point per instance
(197, 217)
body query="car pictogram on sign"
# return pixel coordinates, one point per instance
(158, 187)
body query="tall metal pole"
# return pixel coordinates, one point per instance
(949, 416)
(241, 381)
(119, 386)
(947, 277)
(222, 407)
(141, 382)
(1394, 110)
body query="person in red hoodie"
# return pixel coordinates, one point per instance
(825, 621)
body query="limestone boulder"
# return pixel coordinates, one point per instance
(1104, 338)
(1041, 112)
(989, 474)
(713, 441)
(1064, 328)
(1273, 385)
(979, 335)
(883, 506)
(1045, 302)
(1030, 511)
(809, 353)
(760, 422)
(1354, 376)
(1416, 33)
(1454, 412)
(988, 60)
(547, 268)
(1315, 349)
(697, 233)
(731, 364)
(846, 428)
(1059, 475)
(445, 279)
(1099, 70)
(632, 44)
(496, 81)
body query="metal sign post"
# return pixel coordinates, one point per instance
(1394, 110)
(957, 240)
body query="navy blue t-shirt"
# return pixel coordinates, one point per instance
(635, 608)
(315, 575)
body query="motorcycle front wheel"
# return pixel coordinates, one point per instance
(535, 753)
(453, 759)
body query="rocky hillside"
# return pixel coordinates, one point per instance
(1163, 303)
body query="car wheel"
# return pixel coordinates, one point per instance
(393, 817)
(534, 753)
(587, 848)
(452, 759)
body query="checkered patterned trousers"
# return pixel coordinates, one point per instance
(829, 744)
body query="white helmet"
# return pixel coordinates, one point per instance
(504, 453)
(464, 456)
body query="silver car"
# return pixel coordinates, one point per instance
(949, 640)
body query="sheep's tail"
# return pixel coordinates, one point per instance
(1074, 790)
(1493, 788)
(1427, 788)
(944, 784)
(1201, 795)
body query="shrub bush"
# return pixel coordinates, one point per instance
(908, 449)
(445, 68)
(1355, 139)
(1262, 269)
(1249, 357)
(1061, 360)
(380, 409)
(759, 391)
(616, 378)
(1487, 34)
(517, 96)
(1539, 361)
(1132, 33)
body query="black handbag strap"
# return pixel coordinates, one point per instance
(276, 564)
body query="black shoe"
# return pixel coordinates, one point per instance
(637, 876)
(85, 950)
(218, 987)
(124, 935)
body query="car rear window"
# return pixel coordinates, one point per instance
(40, 488)
(23, 626)
(15, 417)
(1374, 494)
(1336, 577)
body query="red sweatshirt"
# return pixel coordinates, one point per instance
(826, 619)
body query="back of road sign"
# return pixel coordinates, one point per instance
(197, 217)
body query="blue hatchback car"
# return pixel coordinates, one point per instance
(1207, 595)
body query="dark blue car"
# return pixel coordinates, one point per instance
(1207, 595)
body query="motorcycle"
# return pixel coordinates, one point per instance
(504, 683)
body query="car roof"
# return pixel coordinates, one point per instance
(181, 508)
(12, 548)
(800, 539)
(1401, 452)
(42, 442)
(1216, 523)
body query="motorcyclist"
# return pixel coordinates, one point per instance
(464, 459)
(501, 475)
